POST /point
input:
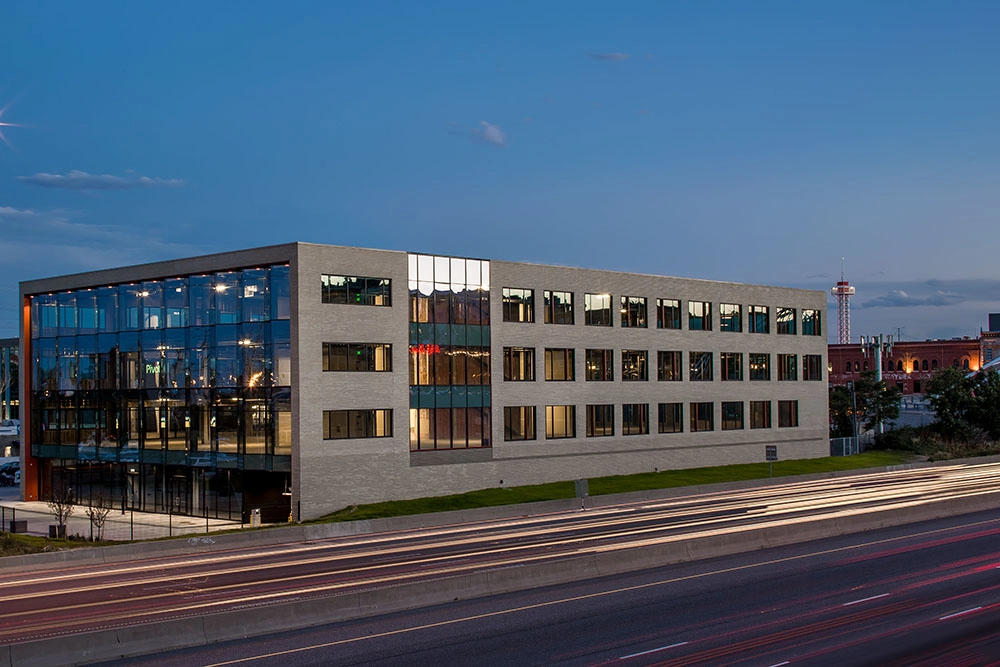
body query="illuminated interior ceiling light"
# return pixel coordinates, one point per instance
(221, 288)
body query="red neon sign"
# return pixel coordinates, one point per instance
(425, 348)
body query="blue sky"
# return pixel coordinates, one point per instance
(741, 141)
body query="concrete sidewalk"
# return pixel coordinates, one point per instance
(119, 526)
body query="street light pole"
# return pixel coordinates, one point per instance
(877, 346)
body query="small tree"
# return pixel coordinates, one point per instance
(98, 513)
(841, 413)
(951, 396)
(62, 505)
(876, 401)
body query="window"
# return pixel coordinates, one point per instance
(668, 314)
(600, 365)
(600, 420)
(701, 366)
(811, 323)
(732, 415)
(702, 418)
(788, 414)
(558, 307)
(518, 363)
(760, 414)
(518, 304)
(362, 357)
(760, 366)
(787, 370)
(847, 367)
(635, 419)
(519, 422)
(343, 424)
(758, 319)
(668, 366)
(358, 290)
(812, 367)
(634, 311)
(934, 364)
(559, 363)
(560, 421)
(916, 365)
(597, 310)
(634, 365)
(731, 364)
(671, 418)
(784, 320)
(923, 364)
(730, 317)
(699, 315)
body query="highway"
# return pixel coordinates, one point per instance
(88, 597)
(922, 595)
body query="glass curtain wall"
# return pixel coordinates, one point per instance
(167, 395)
(449, 353)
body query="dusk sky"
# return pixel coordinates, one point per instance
(740, 141)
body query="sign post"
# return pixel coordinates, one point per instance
(771, 455)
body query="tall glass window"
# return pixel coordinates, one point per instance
(600, 420)
(731, 364)
(669, 366)
(634, 365)
(701, 366)
(519, 422)
(671, 418)
(785, 319)
(518, 304)
(518, 363)
(699, 316)
(450, 398)
(758, 319)
(635, 419)
(634, 311)
(560, 364)
(560, 421)
(600, 365)
(812, 324)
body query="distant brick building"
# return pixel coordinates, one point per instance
(910, 364)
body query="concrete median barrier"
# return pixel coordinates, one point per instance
(424, 593)
(538, 575)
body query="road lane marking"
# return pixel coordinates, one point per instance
(874, 597)
(652, 650)
(779, 664)
(960, 613)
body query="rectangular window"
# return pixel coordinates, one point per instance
(760, 366)
(635, 419)
(787, 370)
(811, 323)
(668, 314)
(668, 366)
(732, 365)
(358, 290)
(518, 363)
(671, 418)
(702, 417)
(730, 317)
(634, 311)
(344, 424)
(634, 365)
(359, 357)
(519, 422)
(788, 414)
(600, 365)
(560, 421)
(812, 367)
(700, 315)
(760, 414)
(518, 304)
(558, 307)
(785, 319)
(732, 415)
(701, 366)
(597, 310)
(560, 364)
(600, 420)
(758, 319)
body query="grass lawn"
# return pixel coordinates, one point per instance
(599, 486)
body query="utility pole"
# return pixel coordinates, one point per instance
(877, 346)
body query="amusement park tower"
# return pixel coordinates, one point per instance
(843, 292)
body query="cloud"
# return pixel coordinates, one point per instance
(611, 57)
(81, 180)
(486, 133)
(898, 298)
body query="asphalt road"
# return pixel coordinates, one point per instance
(924, 594)
(86, 597)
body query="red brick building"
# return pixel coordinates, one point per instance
(910, 364)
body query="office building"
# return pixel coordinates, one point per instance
(304, 378)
